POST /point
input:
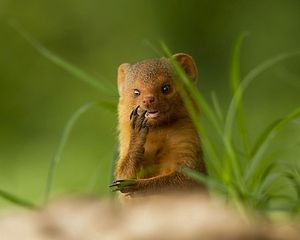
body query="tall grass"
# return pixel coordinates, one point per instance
(105, 89)
(64, 138)
(108, 102)
(247, 177)
(17, 200)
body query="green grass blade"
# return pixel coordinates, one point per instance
(217, 108)
(209, 113)
(232, 167)
(265, 185)
(94, 179)
(293, 174)
(234, 76)
(263, 136)
(58, 153)
(16, 200)
(202, 179)
(263, 170)
(209, 151)
(193, 101)
(149, 44)
(235, 82)
(192, 91)
(212, 160)
(232, 110)
(264, 141)
(110, 106)
(75, 71)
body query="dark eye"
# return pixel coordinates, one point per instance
(136, 92)
(165, 89)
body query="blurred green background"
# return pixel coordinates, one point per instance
(37, 97)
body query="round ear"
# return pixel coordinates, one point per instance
(188, 64)
(121, 76)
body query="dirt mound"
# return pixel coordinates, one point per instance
(172, 217)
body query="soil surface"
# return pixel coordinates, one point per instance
(168, 217)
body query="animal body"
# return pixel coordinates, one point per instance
(156, 135)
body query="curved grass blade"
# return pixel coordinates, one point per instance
(264, 141)
(16, 200)
(234, 167)
(93, 180)
(91, 186)
(212, 161)
(111, 106)
(149, 44)
(208, 181)
(217, 108)
(263, 136)
(265, 185)
(232, 110)
(193, 101)
(235, 82)
(192, 91)
(189, 91)
(293, 174)
(234, 76)
(65, 136)
(263, 170)
(105, 89)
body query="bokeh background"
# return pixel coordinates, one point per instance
(37, 97)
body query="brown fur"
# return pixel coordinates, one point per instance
(153, 154)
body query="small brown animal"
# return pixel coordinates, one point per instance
(156, 134)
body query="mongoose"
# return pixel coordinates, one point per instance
(156, 134)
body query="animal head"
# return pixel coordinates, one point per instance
(150, 85)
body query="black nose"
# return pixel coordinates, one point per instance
(148, 100)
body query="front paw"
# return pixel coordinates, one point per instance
(138, 123)
(127, 186)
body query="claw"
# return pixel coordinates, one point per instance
(134, 112)
(144, 114)
(134, 116)
(116, 183)
(144, 123)
(142, 120)
(119, 181)
(121, 185)
(131, 114)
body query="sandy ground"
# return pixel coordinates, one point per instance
(169, 217)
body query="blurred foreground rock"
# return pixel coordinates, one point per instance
(173, 217)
